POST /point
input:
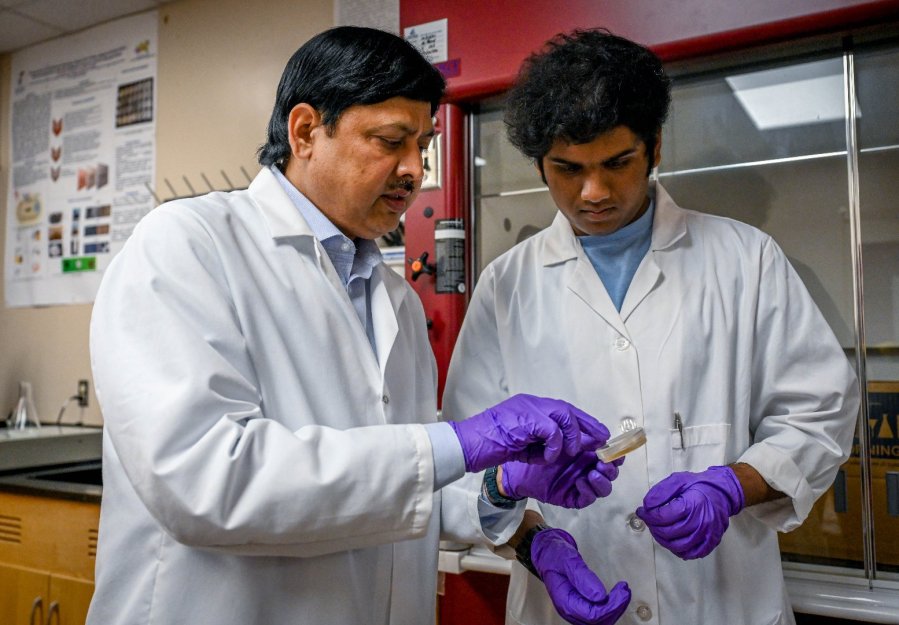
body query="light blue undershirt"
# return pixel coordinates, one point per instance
(616, 256)
(355, 264)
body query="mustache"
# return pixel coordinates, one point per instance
(404, 185)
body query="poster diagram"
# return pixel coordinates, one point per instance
(82, 155)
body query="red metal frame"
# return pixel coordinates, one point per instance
(444, 311)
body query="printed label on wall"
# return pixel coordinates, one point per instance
(430, 39)
(449, 251)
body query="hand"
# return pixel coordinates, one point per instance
(568, 482)
(578, 595)
(528, 429)
(688, 513)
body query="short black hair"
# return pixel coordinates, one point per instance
(583, 84)
(342, 67)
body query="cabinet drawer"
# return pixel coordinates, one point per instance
(54, 535)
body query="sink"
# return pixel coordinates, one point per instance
(91, 475)
(80, 481)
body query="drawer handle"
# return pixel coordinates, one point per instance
(54, 609)
(37, 604)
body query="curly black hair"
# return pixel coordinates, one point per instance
(583, 84)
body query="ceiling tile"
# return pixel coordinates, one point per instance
(17, 31)
(72, 16)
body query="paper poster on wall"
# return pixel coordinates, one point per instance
(82, 154)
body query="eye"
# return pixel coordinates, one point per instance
(568, 168)
(391, 143)
(618, 163)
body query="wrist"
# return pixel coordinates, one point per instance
(523, 548)
(491, 492)
(754, 488)
(499, 483)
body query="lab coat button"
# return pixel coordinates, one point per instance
(644, 612)
(622, 343)
(385, 399)
(635, 522)
(627, 424)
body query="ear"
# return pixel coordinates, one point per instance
(538, 165)
(657, 156)
(301, 124)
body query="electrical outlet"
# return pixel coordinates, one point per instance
(82, 393)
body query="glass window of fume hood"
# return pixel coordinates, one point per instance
(767, 143)
(512, 203)
(877, 85)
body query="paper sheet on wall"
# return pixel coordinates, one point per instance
(82, 157)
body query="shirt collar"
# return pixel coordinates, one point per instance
(358, 257)
(321, 226)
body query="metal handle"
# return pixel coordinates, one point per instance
(840, 496)
(54, 609)
(38, 604)
(892, 483)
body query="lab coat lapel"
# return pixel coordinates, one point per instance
(562, 246)
(647, 277)
(668, 227)
(386, 298)
(286, 225)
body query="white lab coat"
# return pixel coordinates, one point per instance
(260, 464)
(715, 325)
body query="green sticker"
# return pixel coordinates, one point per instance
(81, 263)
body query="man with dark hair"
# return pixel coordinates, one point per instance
(271, 452)
(691, 326)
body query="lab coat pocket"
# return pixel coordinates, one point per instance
(701, 446)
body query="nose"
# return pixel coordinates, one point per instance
(595, 189)
(411, 163)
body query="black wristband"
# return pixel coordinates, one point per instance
(523, 550)
(491, 493)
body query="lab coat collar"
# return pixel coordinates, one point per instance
(670, 221)
(280, 215)
(284, 222)
(561, 245)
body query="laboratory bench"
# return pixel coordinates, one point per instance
(50, 487)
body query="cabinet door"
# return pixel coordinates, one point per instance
(70, 598)
(21, 589)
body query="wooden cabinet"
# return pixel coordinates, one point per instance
(47, 553)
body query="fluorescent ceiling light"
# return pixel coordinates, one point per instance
(798, 95)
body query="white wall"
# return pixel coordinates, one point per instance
(219, 65)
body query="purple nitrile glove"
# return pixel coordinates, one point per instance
(578, 595)
(568, 482)
(525, 428)
(688, 513)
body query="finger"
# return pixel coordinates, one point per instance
(689, 547)
(671, 534)
(616, 603)
(544, 440)
(599, 484)
(666, 490)
(593, 433)
(567, 419)
(672, 513)
(609, 470)
(583, 581)
(618, 461)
